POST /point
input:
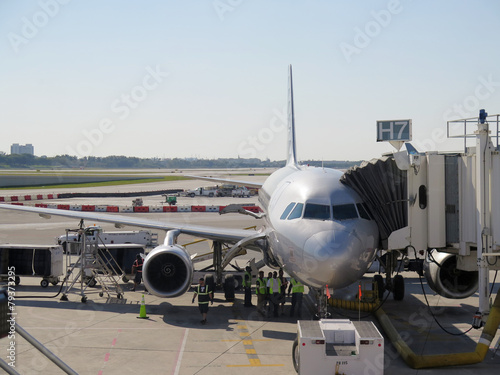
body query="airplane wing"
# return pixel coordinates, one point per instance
(212, 233)
(254, 184)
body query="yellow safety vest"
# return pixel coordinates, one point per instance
(203, 297)
(297, 286)
(271, 287)
(261, 286)
(246, 283)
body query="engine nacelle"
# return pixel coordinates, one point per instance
(167, 271)
(445, 279)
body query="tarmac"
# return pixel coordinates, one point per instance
(106, 336)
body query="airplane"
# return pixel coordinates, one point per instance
(316, 228)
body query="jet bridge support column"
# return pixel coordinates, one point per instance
(483, 167)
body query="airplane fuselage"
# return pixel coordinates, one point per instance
(317, 228)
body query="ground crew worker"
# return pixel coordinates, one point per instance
(283, 285)
(297, 289)
(137, 270)
(261, 291)
(247, 284)
(205, 295)
(274, 285)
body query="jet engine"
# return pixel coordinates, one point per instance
(446, 279)
(167, 271)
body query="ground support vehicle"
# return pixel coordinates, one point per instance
(208, 191)
(240, 192)
(141, 237)
(349, 347)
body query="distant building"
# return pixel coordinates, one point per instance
(16, 148)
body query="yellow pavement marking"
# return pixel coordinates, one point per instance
(259, 340)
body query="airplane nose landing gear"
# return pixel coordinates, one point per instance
(321, 296)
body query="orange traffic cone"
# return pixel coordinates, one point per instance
(142, 312)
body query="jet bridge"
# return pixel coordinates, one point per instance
(447, 204)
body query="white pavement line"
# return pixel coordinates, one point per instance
(181, 352)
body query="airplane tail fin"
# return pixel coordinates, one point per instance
(292, 153)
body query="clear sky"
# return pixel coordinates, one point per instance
(208, 78)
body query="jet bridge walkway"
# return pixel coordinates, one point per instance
(441, 208)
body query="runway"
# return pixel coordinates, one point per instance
(106, 337)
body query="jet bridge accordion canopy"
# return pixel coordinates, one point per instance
(383, 187)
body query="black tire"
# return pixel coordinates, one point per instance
(211, 195)
(378, 284)
(398, 288)
(209, 281)
(101, 294)
(229, 287)
(44, 283)
(238, 282)
(91, 282)
(17, 280)
(54, 282)
(84, 299)
(295, 355)
(191, 195)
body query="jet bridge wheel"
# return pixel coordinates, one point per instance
(295, 355)
(398, 288)
(379, 285)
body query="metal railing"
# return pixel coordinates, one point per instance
(466, 123)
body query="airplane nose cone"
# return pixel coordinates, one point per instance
(334, 258)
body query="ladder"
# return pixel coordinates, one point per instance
(93, 266)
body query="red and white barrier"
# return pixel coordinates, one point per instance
(27, 197)
(129, 209)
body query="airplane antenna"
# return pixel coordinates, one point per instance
(292, 153)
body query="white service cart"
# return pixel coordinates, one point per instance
(338, 346)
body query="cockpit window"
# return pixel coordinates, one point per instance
(297, 211)
(317, 211)
(362, 211)
(344, 212)
(287, 211)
